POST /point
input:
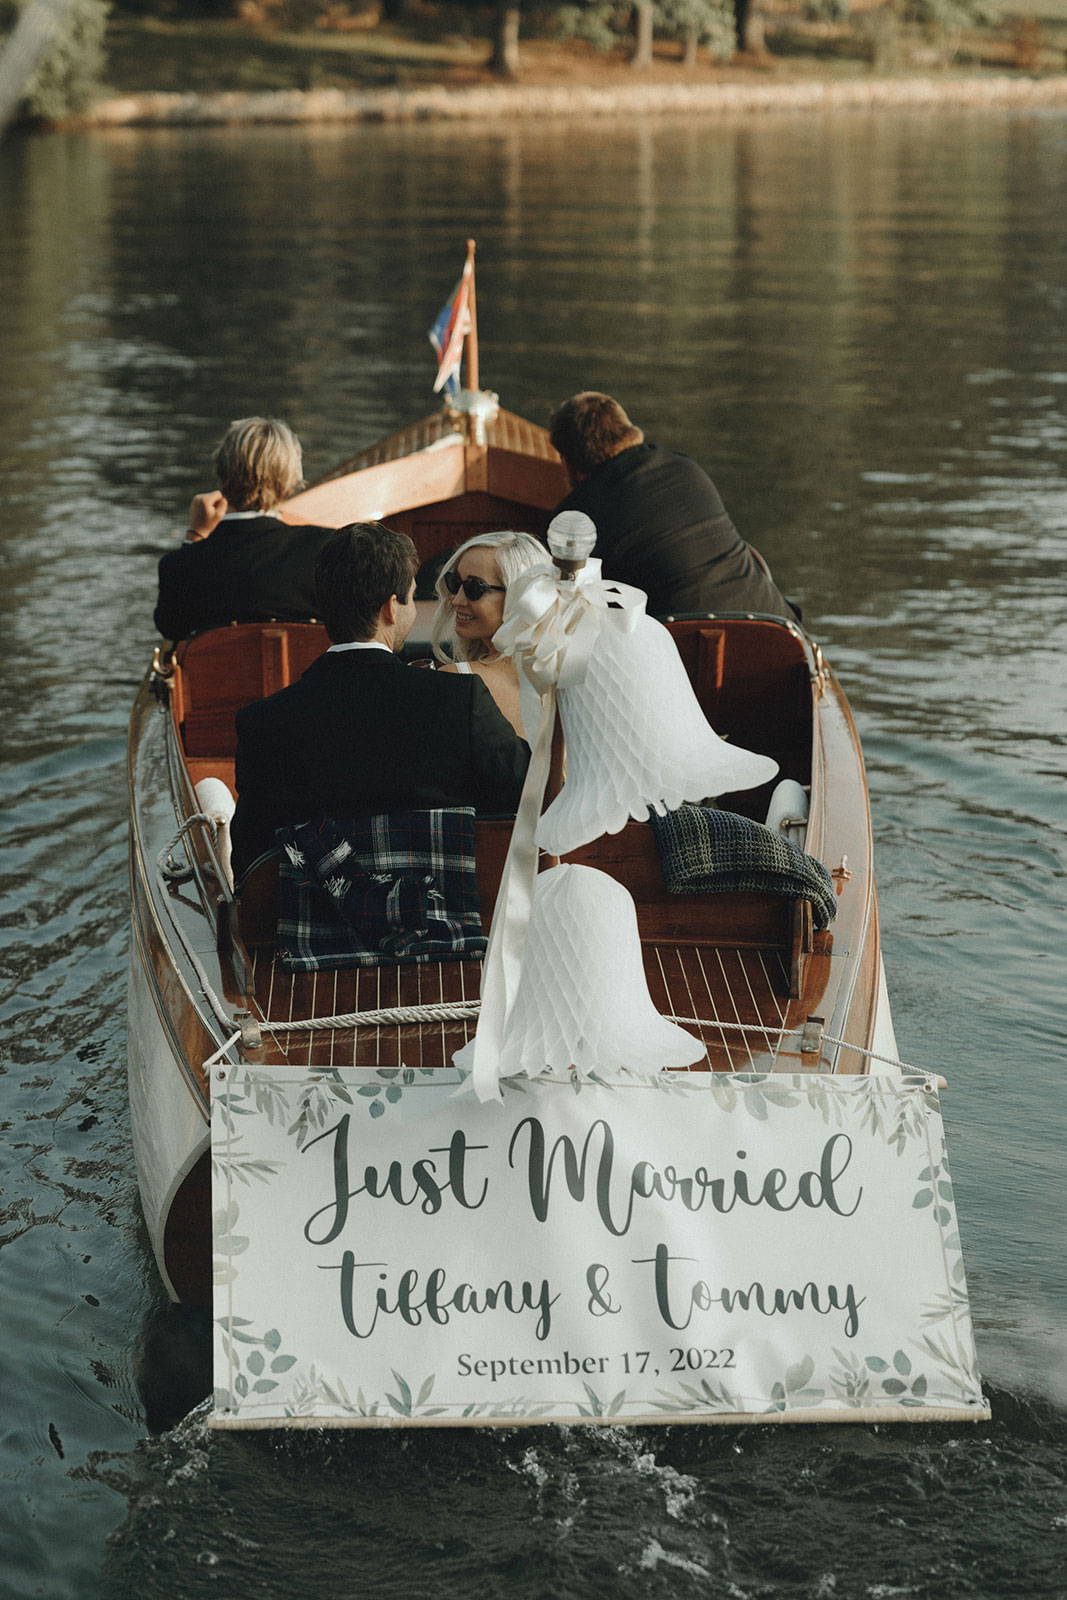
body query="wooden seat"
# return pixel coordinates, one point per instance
(753, 682)
(218, 672)
(762, 922)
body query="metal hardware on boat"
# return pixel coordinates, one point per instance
(819, 672)
(811, 1036)
(162, 667)
(251, 1034)
(160, 674)
(478, 408)
(841, 873)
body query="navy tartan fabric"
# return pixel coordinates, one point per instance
(378, 891)
(706, 851)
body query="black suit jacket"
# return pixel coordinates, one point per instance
(662, 527)
(256, 569)
(361, 733)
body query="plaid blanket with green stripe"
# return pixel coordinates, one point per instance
(378, 891)
(706, 851)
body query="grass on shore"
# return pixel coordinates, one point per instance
(207, 57)
(211, 56)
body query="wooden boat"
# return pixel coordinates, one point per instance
(773, 995)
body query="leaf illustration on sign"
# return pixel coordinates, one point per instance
(833, 1108)
(904, 1387)
(705, 1397)
(232, 1163)
(936, 1191)
(758, 1092)
(954, 1360)
(408, 1404)
(906, 1116)
(253, 1371)
(227, 1243)
(315, 1104)
(794, 1389)
(601, 1408)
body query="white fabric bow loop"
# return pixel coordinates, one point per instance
(551, 624)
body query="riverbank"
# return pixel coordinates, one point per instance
(440, 102)
(183, 71)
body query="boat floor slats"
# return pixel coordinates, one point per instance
(737, 988)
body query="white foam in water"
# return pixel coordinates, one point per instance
(654, 1556)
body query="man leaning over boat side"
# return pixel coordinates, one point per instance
(240, 562)
(360, 733)
(660, 522)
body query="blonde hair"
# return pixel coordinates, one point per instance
(258, 464)
(513, 552)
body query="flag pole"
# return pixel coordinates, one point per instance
(472, 337)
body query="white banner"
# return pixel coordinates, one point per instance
(695, 1247)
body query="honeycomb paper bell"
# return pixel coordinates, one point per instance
(636, 738)
(582, 1000)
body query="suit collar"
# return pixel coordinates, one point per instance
(354, 660)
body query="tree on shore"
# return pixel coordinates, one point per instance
(644, 23)
(750, 27)
(606, 23)
(698, 23)
(52, 60)
(505, 58)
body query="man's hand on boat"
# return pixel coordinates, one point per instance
(206, 511)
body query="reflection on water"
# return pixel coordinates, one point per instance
(858, 326)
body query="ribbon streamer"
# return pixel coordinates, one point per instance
(550, 628)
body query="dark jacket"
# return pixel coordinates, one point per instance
(662, 527)
(361, 733)
(256, 569)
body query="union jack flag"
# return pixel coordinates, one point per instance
(449, 331)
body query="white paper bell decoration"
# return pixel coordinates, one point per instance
(582, 1000)
(636, 738)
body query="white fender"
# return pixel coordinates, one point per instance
(788, 811)
(216, 802)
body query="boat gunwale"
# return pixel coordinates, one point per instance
(148, 899)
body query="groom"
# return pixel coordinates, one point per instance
(361, 733)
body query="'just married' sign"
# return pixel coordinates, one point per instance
(698, 1247)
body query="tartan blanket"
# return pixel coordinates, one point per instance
(706, 851)
(378, 891)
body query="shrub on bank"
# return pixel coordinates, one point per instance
(608, 23)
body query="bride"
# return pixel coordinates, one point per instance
(471, 587)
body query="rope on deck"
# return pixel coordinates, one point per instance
(172, 871)
(466, 1010)
(449, 1011)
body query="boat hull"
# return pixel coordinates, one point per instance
(189, 981)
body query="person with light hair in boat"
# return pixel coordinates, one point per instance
(240, 561)
(471, 590)
(661, 525)
(361, 733)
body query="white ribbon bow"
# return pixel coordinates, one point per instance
(551, 623)
(550, 629)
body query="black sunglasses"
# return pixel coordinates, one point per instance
(473, 588)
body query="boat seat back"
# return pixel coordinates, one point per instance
(751, 920)
(217, 672)
(753, 680)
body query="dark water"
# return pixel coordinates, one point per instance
(859, 327)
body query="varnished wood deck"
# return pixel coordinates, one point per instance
(717, 985)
